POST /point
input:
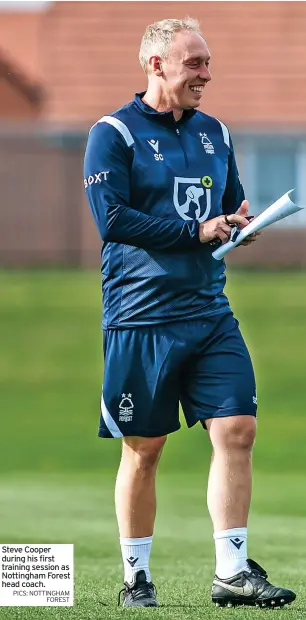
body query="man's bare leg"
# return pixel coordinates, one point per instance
(229, 494)
(135, 500)
(229, 489)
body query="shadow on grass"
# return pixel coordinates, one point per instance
(182, 605)
(179, 605)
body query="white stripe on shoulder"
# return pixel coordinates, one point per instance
(225, 132)
(120, 126)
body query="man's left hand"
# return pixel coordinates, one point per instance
(244, 211)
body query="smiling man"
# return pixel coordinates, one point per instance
(183, 63)
(162, 183)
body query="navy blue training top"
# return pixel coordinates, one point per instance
(149, 181)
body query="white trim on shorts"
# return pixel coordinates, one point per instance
(109, 421)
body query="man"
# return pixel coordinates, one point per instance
(162, 183)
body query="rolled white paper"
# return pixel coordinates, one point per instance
(283, 207)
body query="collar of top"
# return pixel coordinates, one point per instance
(164, 117)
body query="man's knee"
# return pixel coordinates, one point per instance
(233, 432)
(143, 452)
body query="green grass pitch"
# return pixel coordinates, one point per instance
(57, 477)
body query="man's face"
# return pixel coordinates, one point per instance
(186, 70)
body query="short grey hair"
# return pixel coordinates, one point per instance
(158, 38)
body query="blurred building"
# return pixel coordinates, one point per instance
(65, 64)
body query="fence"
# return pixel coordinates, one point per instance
(45, 219)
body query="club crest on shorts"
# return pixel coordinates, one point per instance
(126, 407)
(192, 197)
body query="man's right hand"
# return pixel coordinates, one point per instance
(220, 227)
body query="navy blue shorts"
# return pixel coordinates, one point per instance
(203, 364)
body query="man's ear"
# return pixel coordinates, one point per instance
(156, 65)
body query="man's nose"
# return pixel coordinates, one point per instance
(205, 74)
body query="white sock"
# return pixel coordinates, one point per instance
(135, 555)
(231, 552)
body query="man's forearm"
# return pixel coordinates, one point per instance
(121, 224)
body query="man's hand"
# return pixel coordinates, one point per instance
(221, 227)
(244, 210)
